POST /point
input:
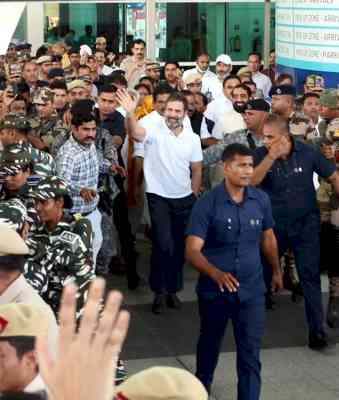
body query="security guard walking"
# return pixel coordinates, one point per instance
(61, 245)
(284, 170)
(226, 229)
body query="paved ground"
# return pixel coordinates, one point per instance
(290, 370)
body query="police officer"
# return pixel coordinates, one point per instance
(226, 229)
(284, 169)
(61, 244)
(13, 130)
(283, 104)
(47, 125)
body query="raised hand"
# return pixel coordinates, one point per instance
(85, 365)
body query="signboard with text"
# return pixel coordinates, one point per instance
(307, 38)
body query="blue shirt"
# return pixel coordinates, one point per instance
(289, 183)
(232, 235)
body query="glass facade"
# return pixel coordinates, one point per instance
(182, 29)
(187, 29)
(120, 22)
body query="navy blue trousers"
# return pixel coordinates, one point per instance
(169, 219)
(303, 238)
(248, 319)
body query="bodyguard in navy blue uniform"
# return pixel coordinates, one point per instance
(284, 170)
(226, 229)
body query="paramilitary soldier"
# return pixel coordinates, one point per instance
(61, 245)
(14, 129)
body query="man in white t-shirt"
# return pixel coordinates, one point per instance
(223, 68)
(262, 81)
(172, 170)
(222, 104)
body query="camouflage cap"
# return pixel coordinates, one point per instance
(13, 159)
(51, 187)
(13, 213)
(77, 83)
(329, 98)
(315, 82)
(14, 69)
(43, 95)
(15, 121)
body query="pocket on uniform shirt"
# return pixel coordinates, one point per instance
(253, 229)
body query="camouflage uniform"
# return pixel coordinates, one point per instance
(13, 213)
(213, 154)
(64, 254)
(301, 127)
(43, 163)
(48, 130)
(14, 158)
(328, 202)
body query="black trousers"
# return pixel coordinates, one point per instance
(169, 218)
(123, 226)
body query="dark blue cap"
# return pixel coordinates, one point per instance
(278, 90)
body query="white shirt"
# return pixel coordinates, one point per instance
(208, 80)
(216, 87)
(263, 82)
(148, 122)
(167, 160)
(218, 107)
(37, 385)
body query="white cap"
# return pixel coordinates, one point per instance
(224, 58)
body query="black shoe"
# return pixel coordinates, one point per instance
(297, 293)
(158, 306)
(317, 341)
(173, 301)
(269, 302)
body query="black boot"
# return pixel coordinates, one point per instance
(158, 306)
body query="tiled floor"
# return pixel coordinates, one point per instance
(290, 370)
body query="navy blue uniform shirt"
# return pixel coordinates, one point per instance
(232, 234)
(289, 183)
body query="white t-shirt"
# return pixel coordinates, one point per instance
(167, 160)
(218, 107)
(148, 122)
(263, 82)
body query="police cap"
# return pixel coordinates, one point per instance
(55, 73)
(43, 95)
(281, 90)
(257, 105)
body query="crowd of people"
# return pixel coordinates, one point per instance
(235, 173)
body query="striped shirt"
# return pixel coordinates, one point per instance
(78, 165)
